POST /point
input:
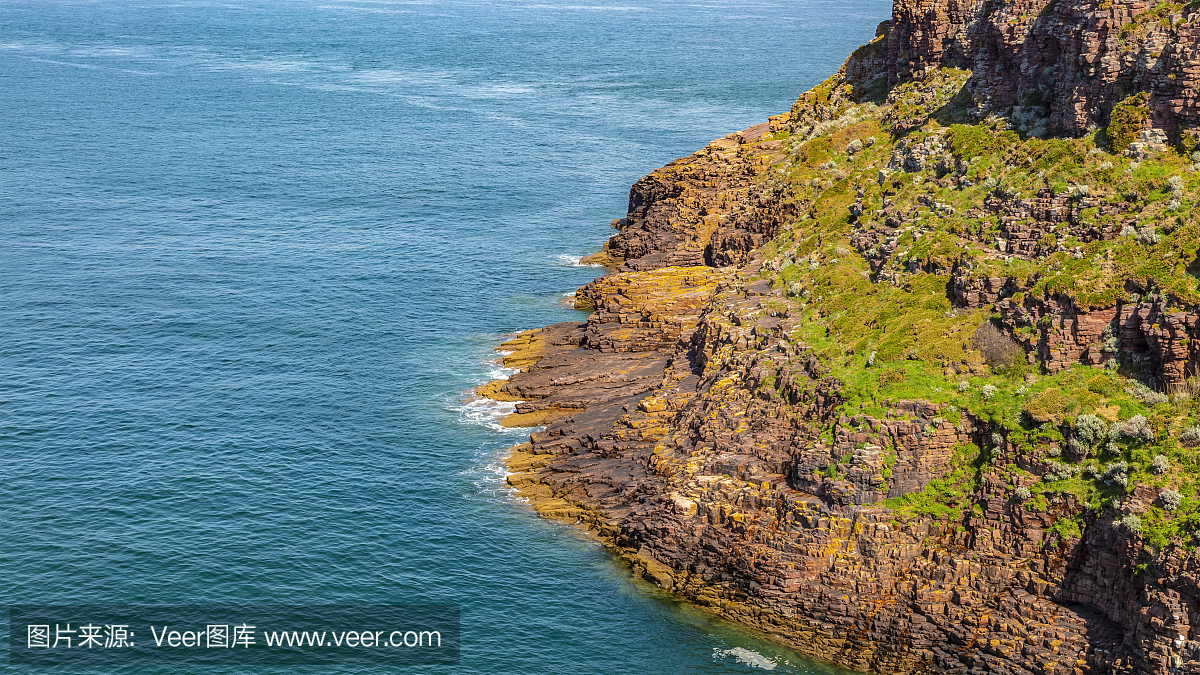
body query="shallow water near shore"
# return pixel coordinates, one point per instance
(254, 253)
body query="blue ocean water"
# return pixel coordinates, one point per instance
(253, 253)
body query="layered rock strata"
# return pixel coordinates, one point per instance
(1064, 63)
(691, 427)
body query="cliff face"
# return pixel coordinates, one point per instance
(1066, 63)
(900, 383)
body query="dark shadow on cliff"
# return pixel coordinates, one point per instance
(943, 96)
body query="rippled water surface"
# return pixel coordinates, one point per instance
(252, 253)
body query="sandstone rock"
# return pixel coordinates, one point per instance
(690, 429)
(1068, 55)
(1152, 141)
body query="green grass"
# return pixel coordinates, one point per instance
(947, 497)
(890, 333)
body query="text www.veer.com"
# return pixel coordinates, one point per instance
(350, 638)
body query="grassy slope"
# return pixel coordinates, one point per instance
(899, 337)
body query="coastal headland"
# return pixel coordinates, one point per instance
(907, 375)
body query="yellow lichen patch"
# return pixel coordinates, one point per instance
(536, 418)
(605, 258)
(525, 350)
(647, 310)
(779, 122)
(667, 291)
(522, 352)
(653, 404)
(526, 479)
(492, 390)
(522, 459)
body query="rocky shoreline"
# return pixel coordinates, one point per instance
(891, 492)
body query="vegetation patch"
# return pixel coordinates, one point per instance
(890, 227)
(1128, 119)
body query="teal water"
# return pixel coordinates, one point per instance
(252, 254)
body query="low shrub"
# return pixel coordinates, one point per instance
(1090, 429)
(1190, 438)
(1132, 523)
(1050, 406)
(1160, 465)
(1128, 119)
(1136, 428)
(1170, 499)
(998, 349)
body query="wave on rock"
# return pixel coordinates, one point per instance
(568, 260)
(746, 656)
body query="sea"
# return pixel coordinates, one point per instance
(255, 255)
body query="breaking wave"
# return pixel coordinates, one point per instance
(746, 656)
(568, 260)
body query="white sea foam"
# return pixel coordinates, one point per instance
(568, 260)
(497, 370)
(489, 413)
(489, 471)
(496, 90)
(415, 77)
(475, 409)
(746, 656)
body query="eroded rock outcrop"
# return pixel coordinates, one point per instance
(719, 424)
(1064, 63)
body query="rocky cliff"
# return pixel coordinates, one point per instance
(1064, 65)
(905, 376)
